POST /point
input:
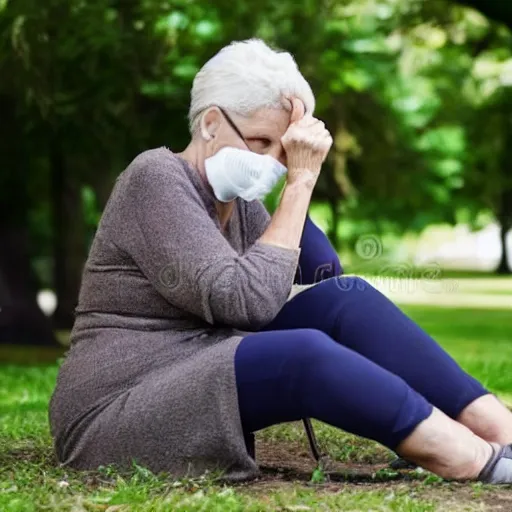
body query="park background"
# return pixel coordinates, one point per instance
(416, 195)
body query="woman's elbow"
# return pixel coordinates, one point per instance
(245, 301)
(247, 311)
(259, 320)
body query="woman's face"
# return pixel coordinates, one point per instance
(261, 132)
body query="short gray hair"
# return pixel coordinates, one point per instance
(246, 76)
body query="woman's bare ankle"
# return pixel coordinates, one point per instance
(446, 448)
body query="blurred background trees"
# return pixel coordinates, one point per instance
(417, 94)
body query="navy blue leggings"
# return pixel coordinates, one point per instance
(342, 353)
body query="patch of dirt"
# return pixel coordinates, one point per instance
(292, 461)
(288, 464)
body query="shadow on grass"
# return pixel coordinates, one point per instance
(30, 355)
(367, 475)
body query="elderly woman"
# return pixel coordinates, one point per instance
(190, 334)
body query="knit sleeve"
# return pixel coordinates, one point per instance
(176, 244)
(257, 219)
(318, 259)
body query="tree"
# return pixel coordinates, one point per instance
(93, 84)
(496, 10)
(494, 167)
(87, 85)
(21, 320)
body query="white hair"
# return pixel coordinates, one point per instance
(246, 76)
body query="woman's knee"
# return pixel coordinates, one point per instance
(342, 284)
(357, 294)
(311, 346)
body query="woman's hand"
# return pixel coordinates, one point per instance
(306, 142)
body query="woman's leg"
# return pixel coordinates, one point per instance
(288, 375)
(361, 318)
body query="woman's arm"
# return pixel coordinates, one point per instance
(318, 258)
(163, 226)
(306, 143)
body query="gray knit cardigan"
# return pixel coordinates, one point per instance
(166, 298)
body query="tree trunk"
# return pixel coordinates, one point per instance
(505, 220)
(69, 237)
(503, 266)
(337, 185)
(21, 319)
(504, 206)
(332, 232)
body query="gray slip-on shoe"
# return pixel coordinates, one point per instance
(498, 469)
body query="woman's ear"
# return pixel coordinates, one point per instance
(210, 123)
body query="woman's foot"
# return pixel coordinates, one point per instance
(447, 448)
(498, 469)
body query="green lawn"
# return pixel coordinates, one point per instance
(29, 480)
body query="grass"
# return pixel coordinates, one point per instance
(480, 340)
(31, 481)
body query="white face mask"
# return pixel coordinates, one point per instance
(234, 172)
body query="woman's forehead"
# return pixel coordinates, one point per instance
(268, 121)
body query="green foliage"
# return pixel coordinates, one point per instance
(91, 211)
(417, 95)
